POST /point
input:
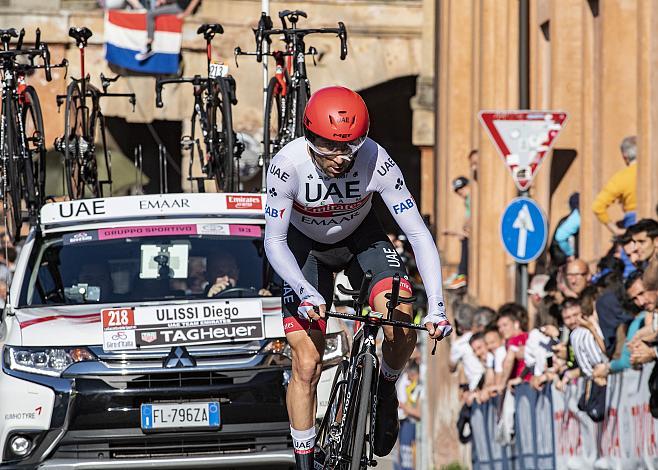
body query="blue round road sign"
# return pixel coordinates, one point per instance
(523, 230)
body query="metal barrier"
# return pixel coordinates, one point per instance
(550, 431)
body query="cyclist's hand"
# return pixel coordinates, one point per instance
(437, 325)
(312, 307)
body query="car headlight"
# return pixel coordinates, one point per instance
(334, 350)
(45, 361)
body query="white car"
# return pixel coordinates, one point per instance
(115, 356)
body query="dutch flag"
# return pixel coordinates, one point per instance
(125, 36)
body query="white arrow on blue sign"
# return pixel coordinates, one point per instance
(523, 230)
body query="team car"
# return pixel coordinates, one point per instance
(146, 331)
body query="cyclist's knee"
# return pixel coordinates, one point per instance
(379, 289)
(307, 369)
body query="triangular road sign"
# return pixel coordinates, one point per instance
(523, 138)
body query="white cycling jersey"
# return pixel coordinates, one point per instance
(328, 209)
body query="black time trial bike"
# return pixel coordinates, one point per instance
(346, 433)
(212, 140)
(289, 89)
(83, 120)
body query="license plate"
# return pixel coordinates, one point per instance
(180, 415)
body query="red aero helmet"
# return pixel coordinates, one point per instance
(336, 117)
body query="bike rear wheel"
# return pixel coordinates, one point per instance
(35, 144)
(221, 126)
(273, 123)
(77, 142)
(12, 190)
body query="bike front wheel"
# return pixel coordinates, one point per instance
(303, 94)
(362, 408)
(12, 189)
(35, 143)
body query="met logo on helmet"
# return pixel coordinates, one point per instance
(342, 136)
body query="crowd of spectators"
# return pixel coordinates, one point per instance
(582, 323)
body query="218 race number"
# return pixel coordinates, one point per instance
(118, 318)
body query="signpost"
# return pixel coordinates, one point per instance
(523, 230)
(523, 138)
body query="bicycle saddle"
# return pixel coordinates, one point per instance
(81, 35)
(9, 33)
(209, 30)
(292, 13)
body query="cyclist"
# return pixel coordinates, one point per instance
(318, 222)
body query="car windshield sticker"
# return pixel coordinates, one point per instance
(182, 324)
(80, 237)
(236, 230)
(146, 231)
(246, 230)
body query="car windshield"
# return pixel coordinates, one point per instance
(137, 264)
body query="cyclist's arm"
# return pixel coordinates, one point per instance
(280, 198)
(404, 210)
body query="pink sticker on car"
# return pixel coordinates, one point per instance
(245, 230)
(146, 231)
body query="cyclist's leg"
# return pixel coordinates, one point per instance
(375, 253)
(306, 341)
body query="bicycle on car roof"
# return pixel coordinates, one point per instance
(81, 124)
(212, 140)
(289, 89)
(22, 135)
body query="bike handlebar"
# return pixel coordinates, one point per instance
(375, 320)
(265, 30)
(160, 82)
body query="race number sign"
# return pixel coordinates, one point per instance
(182, 324)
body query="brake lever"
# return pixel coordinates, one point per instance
(236, 53)
(436, 342)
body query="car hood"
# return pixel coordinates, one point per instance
(80, 325)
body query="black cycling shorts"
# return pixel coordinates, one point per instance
(367, 249)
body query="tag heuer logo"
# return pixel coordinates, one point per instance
(149, 336)
(244, 202)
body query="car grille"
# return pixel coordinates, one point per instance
(168, 445)
(177, 380)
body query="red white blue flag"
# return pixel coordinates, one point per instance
(125, 36)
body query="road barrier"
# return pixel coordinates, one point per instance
(550, 431)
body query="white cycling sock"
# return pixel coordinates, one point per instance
(303, 441)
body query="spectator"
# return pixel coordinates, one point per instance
(460, 349)
(497, 351)
(571, 317)
(577, 278)
(621, 187)
(509, 326)
(461, 186)
(612, 314)
(564, 246)
(473, 162)
(626, 251)
(537, 293)
(589, 349)
(482, 318)
(409, 397)
(538, 349)
(180, 8)
(645, 238)
(647, 300)
(644, 300)
(481, 351)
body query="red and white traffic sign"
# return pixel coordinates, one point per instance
(523, 138)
